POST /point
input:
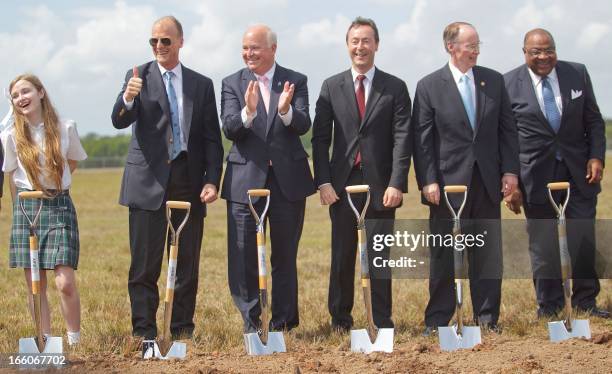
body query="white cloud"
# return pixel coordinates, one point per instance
(410, 32)
(107, 40)
(592, 34)
(324, 32)
(82, 52)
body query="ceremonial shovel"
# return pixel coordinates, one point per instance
(165, 348)
(568, 328)
(268, 342)
(458, 336)
(40, 343)
(372, 339)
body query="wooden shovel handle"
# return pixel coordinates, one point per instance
(357, 188)
(558, 186)
(178, 204)
(455, 188)
(259, 192)
(31, 195)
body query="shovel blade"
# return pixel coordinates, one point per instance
(255, 347)
(360, 341)
(451, 341)
(150, 349)
(558, 332)
(53, 345)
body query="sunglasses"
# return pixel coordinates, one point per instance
(164, 41)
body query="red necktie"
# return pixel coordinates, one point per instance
(360, 94)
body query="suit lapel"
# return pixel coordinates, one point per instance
(481, 98)
(275, 91)
(262, 117)
(189, 89)
(454, 96)
(528, 91)
(376, 91)
(564, 87)
(157, 92)
(348, 90)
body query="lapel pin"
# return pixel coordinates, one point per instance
(482, 83)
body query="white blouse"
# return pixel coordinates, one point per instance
(70, 148)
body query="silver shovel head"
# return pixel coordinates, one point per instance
(255, 347)
(451, 341)
(150, 349)
(53, 345)
(558, 332)
(360, 341)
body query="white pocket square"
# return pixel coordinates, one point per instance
(576, 94)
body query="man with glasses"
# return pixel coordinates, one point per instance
(465, 135)
(264, 110)
(175, 154)
(561, 138)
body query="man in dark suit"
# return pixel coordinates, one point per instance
(264, 110)
(1, 173)
(367, 113)
(465, 134)
(175, 154)
(561, 138)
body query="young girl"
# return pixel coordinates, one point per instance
(40, 153)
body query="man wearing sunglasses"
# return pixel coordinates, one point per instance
(561, 139)
(175, 154)
(264, 110)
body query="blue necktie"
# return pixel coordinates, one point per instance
(550, 105)
(176, 130)
(466, 95)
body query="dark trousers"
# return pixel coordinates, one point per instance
(485, 264)
(343, 255)
(544, 248)
(147, 238)
(285, 220)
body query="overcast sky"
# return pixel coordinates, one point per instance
(82, 49)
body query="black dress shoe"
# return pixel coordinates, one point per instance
(430, 331)
(282, 326)
(342, 328)
(545, 313)
(596, 312)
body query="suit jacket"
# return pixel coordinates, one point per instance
(147, 168)
(268, 139)
(446, 147)
(1, 173)
(382, 136)
(581, 135)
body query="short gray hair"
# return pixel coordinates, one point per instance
(270, 34)
(452, 31)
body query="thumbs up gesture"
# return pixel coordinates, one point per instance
(134, 86)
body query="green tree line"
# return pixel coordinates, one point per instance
(110, 151)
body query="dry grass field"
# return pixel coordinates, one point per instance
(217, 345)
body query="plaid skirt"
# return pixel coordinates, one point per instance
(57, 231)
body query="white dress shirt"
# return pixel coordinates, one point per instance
(247, 119)
(457, 74)
(367, 82)
(70, 148)
(177, 83)
(536, 80)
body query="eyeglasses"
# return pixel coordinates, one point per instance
(538, 52)
(164, 41)
(475, 47)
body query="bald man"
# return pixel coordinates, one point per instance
(264, 110)
(175, 154)
(561, 138)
